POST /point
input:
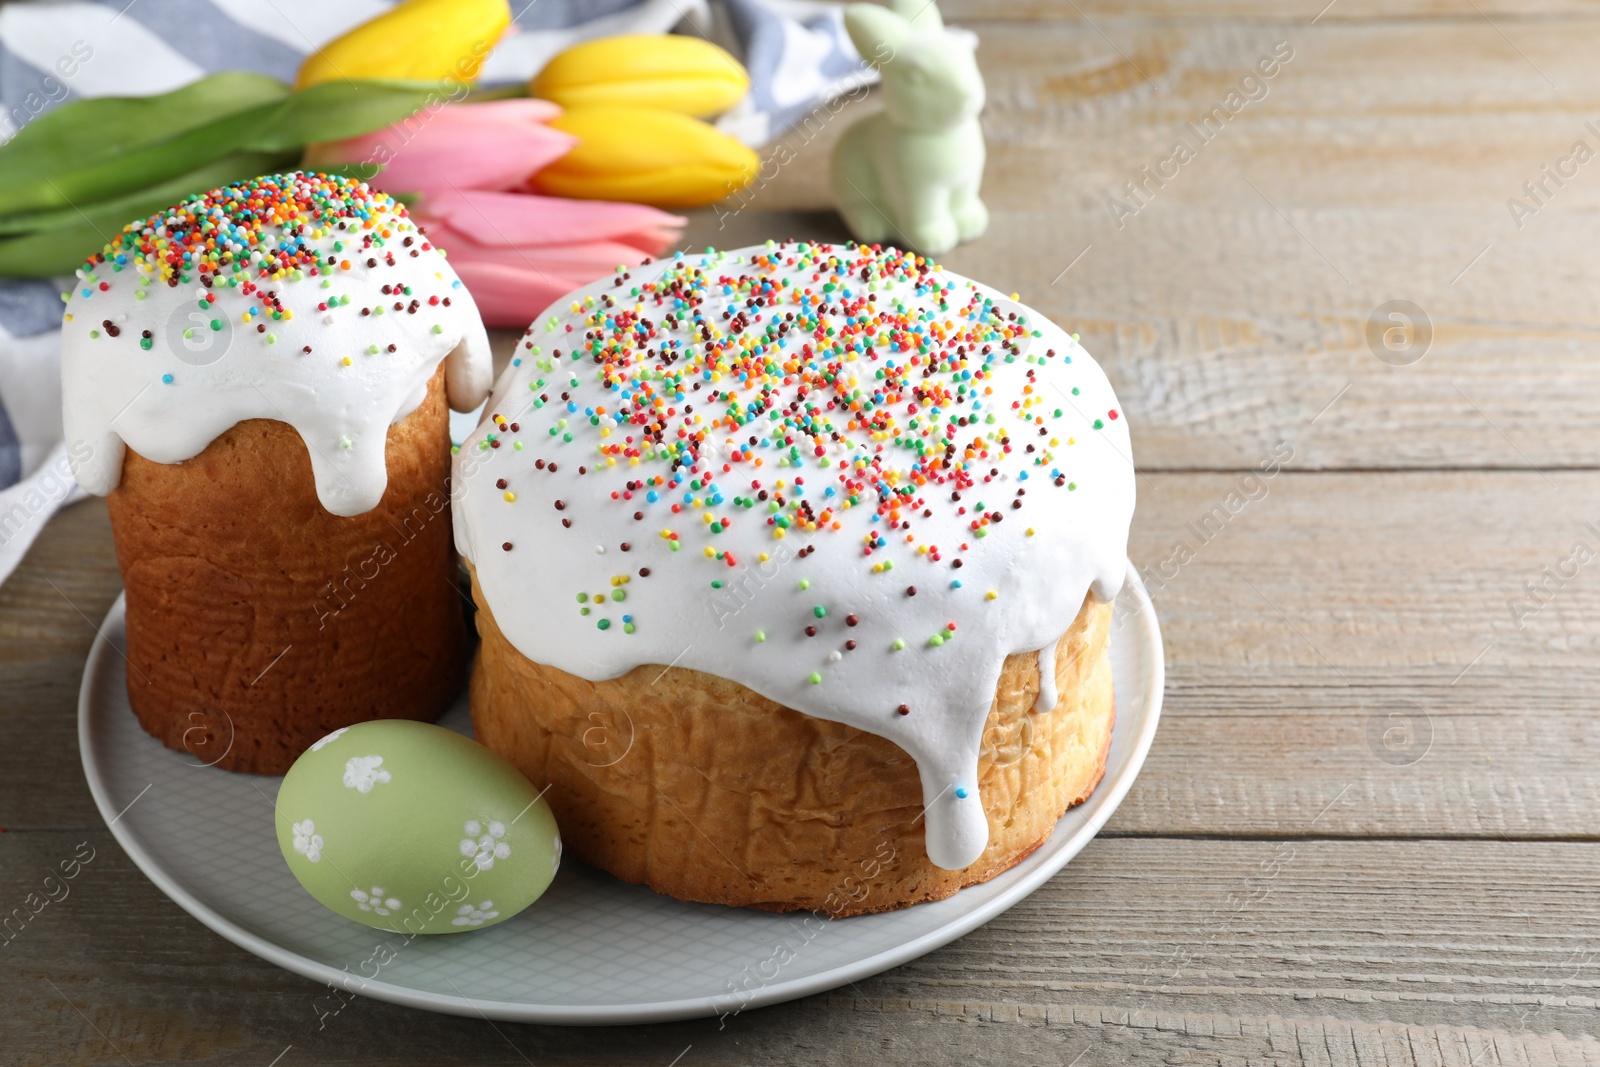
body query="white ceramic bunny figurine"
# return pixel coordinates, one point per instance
(910, 174)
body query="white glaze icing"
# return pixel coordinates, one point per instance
(168, 399)
(556, 528)
(1046, 700)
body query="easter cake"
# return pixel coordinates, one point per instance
(258, 379)
(794, 568)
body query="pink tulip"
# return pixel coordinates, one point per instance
(491, 145)
(510, 297)
(528, 218)
(518, 252)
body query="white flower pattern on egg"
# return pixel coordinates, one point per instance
(483, 844)
(375, 901)
(467, 915)
(361, 773)
(317, 746)
(307, 841)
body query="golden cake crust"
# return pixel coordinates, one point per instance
(257, 621)
(704, 790)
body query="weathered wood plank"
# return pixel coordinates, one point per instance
(1362, 650)
(1111, 12)
(1231, 300)
(1309, 612)
(1140, 951)
(1406, 763)
(1352, 580)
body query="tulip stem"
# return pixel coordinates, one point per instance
(500, 92)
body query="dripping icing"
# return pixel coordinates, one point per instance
(1046, 700)
(761, 588)
(284, 336)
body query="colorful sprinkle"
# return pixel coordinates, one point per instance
(780, 390)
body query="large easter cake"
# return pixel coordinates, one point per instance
(794, 567)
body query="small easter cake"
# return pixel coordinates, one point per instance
(258, 378)
(794, 567)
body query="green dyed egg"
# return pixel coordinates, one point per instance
(410, 827)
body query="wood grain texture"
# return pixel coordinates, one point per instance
(1295, 12)
(1366, 833)
(1230, 302)
(1140, 952)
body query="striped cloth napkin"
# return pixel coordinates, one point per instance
(797, 53)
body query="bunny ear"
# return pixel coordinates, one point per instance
(876, 31)
(920, 14)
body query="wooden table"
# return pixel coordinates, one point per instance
(1367, 831)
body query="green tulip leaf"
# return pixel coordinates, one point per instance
(332, 111)
(142, 202)
(60, 241)
(74, 177)
(89, 150)
(68, 166)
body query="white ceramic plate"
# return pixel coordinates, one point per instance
(592, 950)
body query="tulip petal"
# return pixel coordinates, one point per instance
(420, 39)
(524, 109)
(510, 296)
(672, 72)
(493, 145)
(526, 219)
(519, 281)
(583, 261)
(646, 155)
(468, 160)
(650, 242)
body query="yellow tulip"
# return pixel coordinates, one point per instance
(424, 40)
(672, 73)
(647, 156)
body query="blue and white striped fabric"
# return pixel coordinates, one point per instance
(797, 53)
(799, 57)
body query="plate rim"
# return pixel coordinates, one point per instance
(1147, 631)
